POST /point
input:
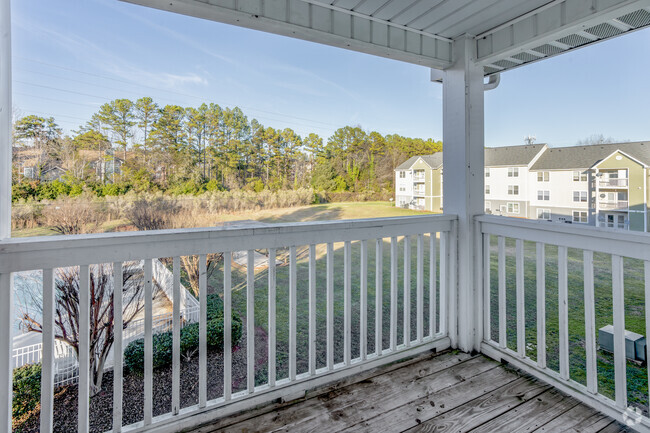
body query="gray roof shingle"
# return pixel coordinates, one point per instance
(511, 155)
(434, 161)
(583, 157)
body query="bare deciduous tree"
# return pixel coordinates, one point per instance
(102, 312)
(191, 265)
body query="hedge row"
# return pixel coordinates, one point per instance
(189, 344)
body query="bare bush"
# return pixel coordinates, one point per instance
(71, 216)
(151, 214)
(102, 311)
(26, 215)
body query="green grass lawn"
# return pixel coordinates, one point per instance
(282, 302)
(634, 312)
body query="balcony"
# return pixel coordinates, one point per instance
(418, 192)
(613, 183)
(614, 205)
(317, 328)
(418, 179)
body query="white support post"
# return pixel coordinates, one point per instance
(463, 160)
(5, 119)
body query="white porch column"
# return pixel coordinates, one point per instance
(6, 289)
(463, 161)
(5, 119)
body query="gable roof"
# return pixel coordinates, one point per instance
(512, 155)
(434, 161)
(620, 152)
(584, 157)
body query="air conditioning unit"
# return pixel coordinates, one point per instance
(635, 344)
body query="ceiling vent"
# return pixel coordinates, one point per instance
(548, 49)
(525, 57)
(604, 30)
(505, 64)
(636, 19)
(574, 40)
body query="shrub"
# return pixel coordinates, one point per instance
(215, 307)
(26, 389)
(189, 344)
(162, 352)
(151, 214)
(69, 216)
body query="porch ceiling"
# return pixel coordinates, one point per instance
(508, 33)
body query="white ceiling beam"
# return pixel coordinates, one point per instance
(319, 22)
(547, 24)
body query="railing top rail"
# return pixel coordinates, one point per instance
(23, 254)
(620, 242)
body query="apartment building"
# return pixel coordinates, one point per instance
(604, 185)
(418, 183)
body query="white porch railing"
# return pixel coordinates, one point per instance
(613, 205)
(423, 327)
(565, 271)
(613, 182)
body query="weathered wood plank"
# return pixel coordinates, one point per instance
(313, 414)
(483, 409)
(371, 398)
(532, 414)
(580, 418)
(411, 414)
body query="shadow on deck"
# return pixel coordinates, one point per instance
(446, 392)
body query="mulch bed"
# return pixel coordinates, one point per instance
(101, 405)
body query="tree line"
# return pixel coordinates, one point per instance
(189, 149)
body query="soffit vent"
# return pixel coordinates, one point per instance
(604, 30)
(505, 64)
(548, 49)
(490, 70)
(574, 40)
(525, 57)
(636, 19)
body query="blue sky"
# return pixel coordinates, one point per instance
(70, 56)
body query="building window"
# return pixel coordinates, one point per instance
(402, 189)
(402, 174)
(543, 195)
(580, 196)
(488, 207)
(513, 172)
(544, 214)
(580, 217)
(543, 176)
(487, 189)
(513, 189)
(579, 177)
(513, 207)
(487, 172)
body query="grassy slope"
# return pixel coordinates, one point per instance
(634, 312)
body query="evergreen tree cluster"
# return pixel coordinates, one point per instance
(192, 149)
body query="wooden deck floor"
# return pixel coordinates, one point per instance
(447, 392)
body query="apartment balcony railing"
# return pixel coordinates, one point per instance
(418, 191)
(411, 262)
(327, 252)
(544, 257)
(614, 205)
(613, 183)
(418, 178)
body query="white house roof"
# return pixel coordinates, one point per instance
(507, 33)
